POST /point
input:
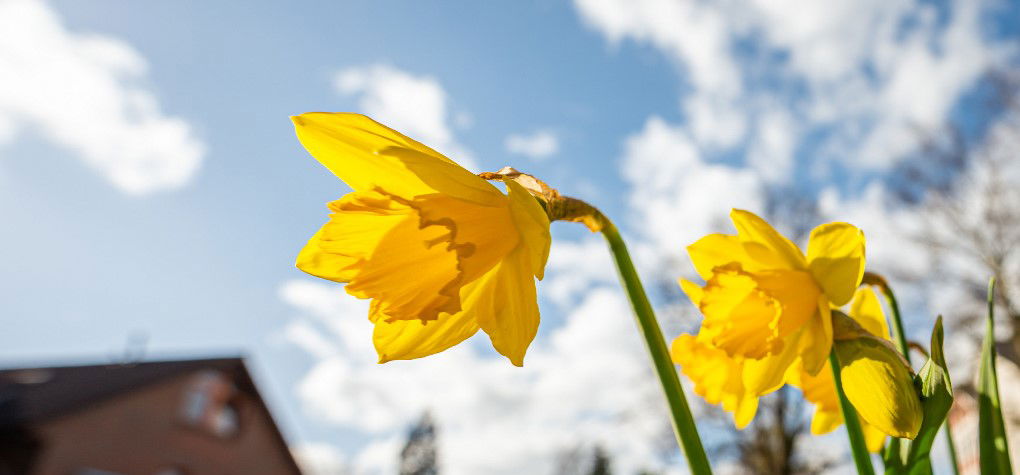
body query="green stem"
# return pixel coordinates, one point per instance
(993, 445)
(853, 425)
(897, 322)
(683, 423)
(952, 447)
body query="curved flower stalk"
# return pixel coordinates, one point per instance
(768, 320)
(440, 251)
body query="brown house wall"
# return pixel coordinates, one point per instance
(142, 432)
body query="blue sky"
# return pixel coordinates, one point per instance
(152, 188)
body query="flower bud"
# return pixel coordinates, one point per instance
(877, 380)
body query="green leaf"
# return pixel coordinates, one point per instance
(991, 428)
(936, 399)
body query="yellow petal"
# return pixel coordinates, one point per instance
(744, 410)
(383, 245)
(481, 235)
(693, 291)
(816, 342)
(765, 375)
(750, 313)
(409, 278)
(366, 154)
(764, 244)
(505, 304)
(410, 339)
(867, 311)
(532, 223)
(820, 390)
(336, 267)
(716, 250)
(359, 221)
(717, 377)
(879, 385)
(836, 258)
(874, 439)
(823, 421)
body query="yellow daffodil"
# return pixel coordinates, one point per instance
(765, 305)
(764, 300)
(875, 380)
(768, 320)
(441, 252)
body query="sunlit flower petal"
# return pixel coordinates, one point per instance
(764, 244)
(440, 251)
(836, 257)
(767, 374)
(410, 339)
(717, 250)
(717, 377)
(867, 311)
(816, 343)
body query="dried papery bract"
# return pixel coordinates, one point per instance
(557, 206)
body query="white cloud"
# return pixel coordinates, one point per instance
(538, 145)
(87, 93)
(694, 32)
(417, 106)
(678, 196)
(586, 382)
(771, 152)
(588, 259)
(318, 458)
(873, 74)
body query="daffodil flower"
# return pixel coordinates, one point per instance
(765, 305)
(876, 380)
(440, 251)
(768, 320)
(765, 301)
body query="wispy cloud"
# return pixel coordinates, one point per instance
(862, 78)
(538, 145)
(87, 93)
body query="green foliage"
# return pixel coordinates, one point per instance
(991, 428)
(936, 399)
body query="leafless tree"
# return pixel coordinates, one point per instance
(418, 457)
(968, 191)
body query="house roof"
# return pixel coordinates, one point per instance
(31, 395)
